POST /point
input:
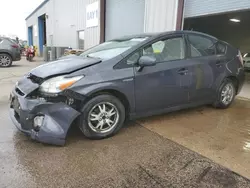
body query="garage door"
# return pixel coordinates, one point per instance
(124, 18)
(194, 8)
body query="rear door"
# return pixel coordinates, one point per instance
(206, 65)
(1, 43)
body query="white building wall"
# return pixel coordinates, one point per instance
(50, 22)
(69, 17)
(91, 35)
(160, 15)
(64, 19)
(33, 21)
(124, 18)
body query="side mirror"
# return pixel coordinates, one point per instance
(146, 61)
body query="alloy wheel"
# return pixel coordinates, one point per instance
(227, 94)
(5, 61)
(103, 117)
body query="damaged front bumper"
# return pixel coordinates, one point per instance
(54, 124)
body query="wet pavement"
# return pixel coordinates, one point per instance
(138, 156)
(221, 135)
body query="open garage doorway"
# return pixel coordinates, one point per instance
(30, 35)
(42, 32)
(232, 27)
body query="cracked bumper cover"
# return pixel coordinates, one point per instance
(58, 118)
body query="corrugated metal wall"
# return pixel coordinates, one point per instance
(91, 35)
(64, 23)
(81, 14)
(33, 21)
(160, 15)
(69, 19)
(124, 18)
(195, 8)
(65, 19)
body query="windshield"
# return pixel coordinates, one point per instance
(108, 50)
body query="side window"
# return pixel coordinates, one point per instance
(201, 46)
(220, 48)
(166, 50)
(133, 58)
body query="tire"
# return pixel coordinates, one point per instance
(30, 59)
(93, 106)
(7, 60)
(219, 101)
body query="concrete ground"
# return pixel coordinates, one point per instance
(221, 135)
(10, 75)
(245, 92)
(143, 154)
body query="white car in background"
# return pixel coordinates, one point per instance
(246, 61)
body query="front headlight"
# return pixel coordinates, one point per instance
(58, 84)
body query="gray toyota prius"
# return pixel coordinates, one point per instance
(125, 78)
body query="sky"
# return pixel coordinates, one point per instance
(13, 14)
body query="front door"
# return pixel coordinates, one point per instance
(167, 83)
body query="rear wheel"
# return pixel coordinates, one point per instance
(5, 60)
(102, 117)
(226, 94)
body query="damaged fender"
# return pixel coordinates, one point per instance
(56, 123)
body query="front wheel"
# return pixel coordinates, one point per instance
(226, 94)
(102, 117)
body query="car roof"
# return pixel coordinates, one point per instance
(5, 38)
(128, 37)
(149, 35)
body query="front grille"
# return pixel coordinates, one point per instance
(35, 79)
(19, 92)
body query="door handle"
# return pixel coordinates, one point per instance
(182, 71)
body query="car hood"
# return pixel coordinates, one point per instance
(63, 66)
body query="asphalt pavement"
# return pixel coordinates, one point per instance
(135, 157)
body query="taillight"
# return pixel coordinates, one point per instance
(240, 58)
(14, 46)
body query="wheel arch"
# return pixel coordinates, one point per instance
(235, 81)
(6, 52)
(119, 95)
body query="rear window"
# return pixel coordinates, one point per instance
(201, 46)
(12, 41)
